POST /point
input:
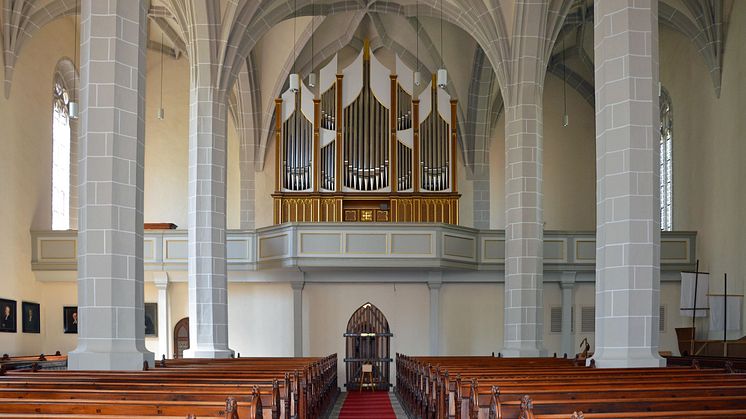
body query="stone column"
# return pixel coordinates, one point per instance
(524, 234)
(434, 283)
(567, 285)
(164, 326)
(111, 331)
(297, 317)
(481, 196)
(628, 216)
(208, 287)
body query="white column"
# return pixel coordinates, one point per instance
(164, 325)
(208, 284)
(111, 332)
(297, 317)
(628, 215)
(524, 233)
(434, 283)
(567, 285)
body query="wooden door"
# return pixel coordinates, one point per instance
(181, 337)
(368, 342)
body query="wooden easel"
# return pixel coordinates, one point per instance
(367, 371)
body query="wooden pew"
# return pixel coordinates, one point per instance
(529, 388)
(241, 388)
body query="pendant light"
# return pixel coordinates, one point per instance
(294, 78)
(161, 112)
(417, 75)
(72, 106)
(565, 117)
(442, 73)
(312, 74)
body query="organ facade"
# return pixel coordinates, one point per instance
(367, 148)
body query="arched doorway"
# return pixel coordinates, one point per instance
(181, 337)
(368, 341)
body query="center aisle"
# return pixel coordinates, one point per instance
(372, 405)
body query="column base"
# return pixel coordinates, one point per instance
(523, 352)
(628, 358)
(208, 353)
(109, 361)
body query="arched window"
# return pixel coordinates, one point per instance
(60, 156)
(666, 161)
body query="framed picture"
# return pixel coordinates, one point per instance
(151, 319)
(70, 319)
(30, 317)
(7, 316)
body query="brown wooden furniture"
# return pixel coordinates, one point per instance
(160, 226)
(688, 345)
(471, 387)
(234, 388)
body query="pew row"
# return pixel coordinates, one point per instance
(482, 387)
(275, 388)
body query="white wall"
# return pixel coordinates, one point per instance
(328, 307)
(709, 150)
(471, 319)
(25, 178)
(569, 163)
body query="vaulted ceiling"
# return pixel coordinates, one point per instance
(409, 28)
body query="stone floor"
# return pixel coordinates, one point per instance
(398, 410)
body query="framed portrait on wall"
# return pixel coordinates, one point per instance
(70, 319)
(151, 319)
(30, 317)
(7, 316)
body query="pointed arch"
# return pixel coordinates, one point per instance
(368, 342)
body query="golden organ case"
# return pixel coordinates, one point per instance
(365, 149)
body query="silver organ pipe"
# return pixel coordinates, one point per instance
(329, 109)
(435, 155)
(328, 121)
(404, 110)
(297, 139)
(365, 139)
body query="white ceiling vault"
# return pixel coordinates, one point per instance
(221, 38)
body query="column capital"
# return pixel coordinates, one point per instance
(434, 279)
(434, 285)
(160, 279)
(297, 285)
(568, 279)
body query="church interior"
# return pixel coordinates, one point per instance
(410, 189)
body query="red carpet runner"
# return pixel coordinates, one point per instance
(367, 404)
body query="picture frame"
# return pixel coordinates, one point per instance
(151, 319)
(8, 322)
(30, 317)
(70, 319)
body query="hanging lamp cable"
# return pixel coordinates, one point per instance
(161, 70)
(442, 53)
(565, 119)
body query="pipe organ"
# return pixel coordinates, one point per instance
(366, 147)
